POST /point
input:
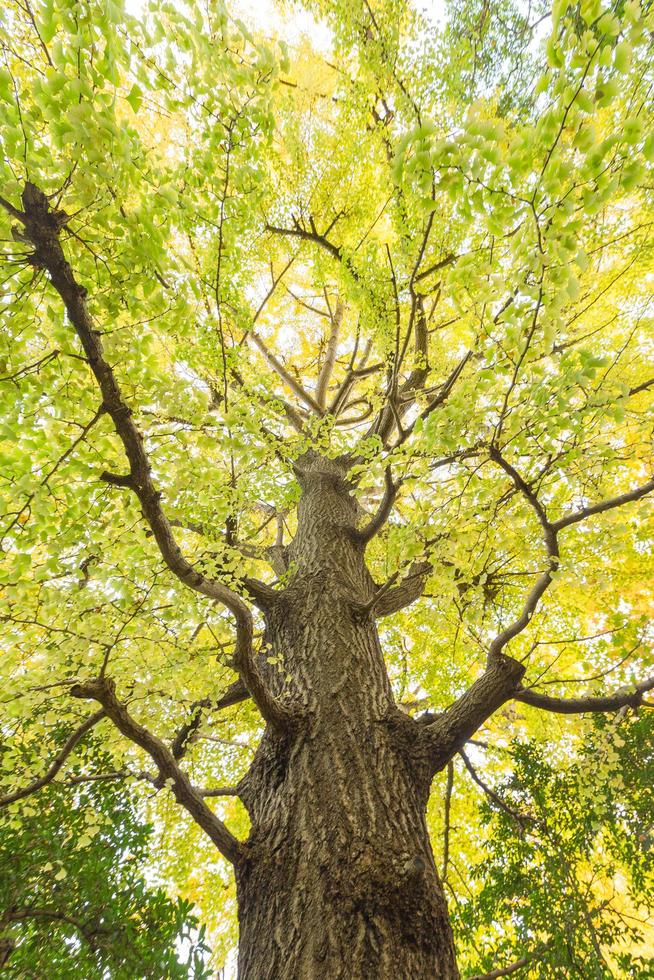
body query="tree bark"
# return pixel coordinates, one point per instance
(339, 878)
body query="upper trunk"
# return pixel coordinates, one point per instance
(340, 881)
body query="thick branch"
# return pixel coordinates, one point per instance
(58, 762)
(103, 690)
(261, 593)
(43, 227)
(234, 694)
(219, 791)
(384, 510)
(324, 377)
(573, 706)
(391, 600)
(450, 731)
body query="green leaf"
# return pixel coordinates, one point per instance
(622, 56)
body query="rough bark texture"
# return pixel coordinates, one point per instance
(340, 879)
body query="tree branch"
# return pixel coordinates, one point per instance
(551, 544)
(184, 735)
(504, 971)
(311, 236)
(623, 498)
(352, 376)
(375, 524)
(399, 399)
(448, 260)
(550, 531)
(449, 786)
(324, 377)
(292, 414)
(449, 732)
(21, 915)
(103, 690)
(219, 791)
(58, 762)
(447, 386)
(99, 777)
(573, 706)
(10, 209)
(641, 387)
(285, 375)
(391, 600)
(234, 694)
(520, 818)
(43, 227)
(261, 593)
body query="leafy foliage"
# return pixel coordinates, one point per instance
(74, 899)
(565, 838)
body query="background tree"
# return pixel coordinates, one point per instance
(74, 899)
(326, 443)
(558, 840)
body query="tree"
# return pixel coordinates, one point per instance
(327, 432)
(75, 903)
(558, 879)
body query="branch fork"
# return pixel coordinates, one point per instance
(103, 690)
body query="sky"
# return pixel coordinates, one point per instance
(268, 15)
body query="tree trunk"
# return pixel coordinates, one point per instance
(340, 878)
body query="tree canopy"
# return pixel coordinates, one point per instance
(425, 242)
